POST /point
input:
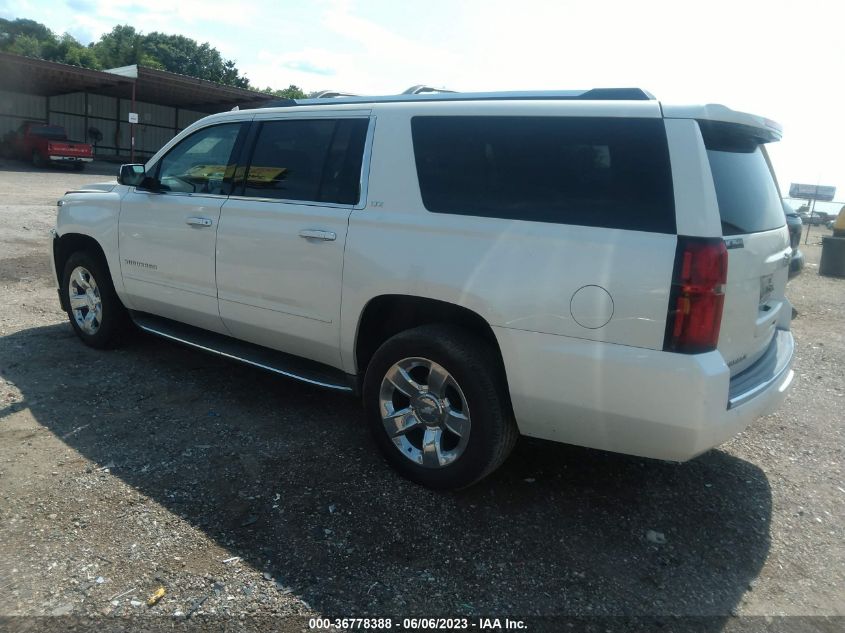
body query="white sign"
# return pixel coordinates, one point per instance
(133, 117)
(821, 193)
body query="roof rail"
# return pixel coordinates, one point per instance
(422, 89)
(331, 94)
(424, 93)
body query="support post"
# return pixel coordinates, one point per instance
(809, 220)
(85, 119)
(132, 128)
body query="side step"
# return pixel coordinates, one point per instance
(241, 351)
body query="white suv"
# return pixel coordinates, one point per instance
(595, 267)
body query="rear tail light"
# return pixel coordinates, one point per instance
(697, 296)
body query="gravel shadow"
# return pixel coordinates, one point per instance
(285, 476)
(95, 168)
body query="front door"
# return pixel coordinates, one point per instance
(167, 231)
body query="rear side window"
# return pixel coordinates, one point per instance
(748, 197)
(314, 160)
(608, 172)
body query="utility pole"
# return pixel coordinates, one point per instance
(809, 222)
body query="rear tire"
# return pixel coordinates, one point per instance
(93, 307)
(38, 159)
(438, 406)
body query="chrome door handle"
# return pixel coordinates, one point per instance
(199, 221)
(313, 234)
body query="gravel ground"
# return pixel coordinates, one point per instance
(246, 495)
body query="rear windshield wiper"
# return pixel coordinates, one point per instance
(731, 229)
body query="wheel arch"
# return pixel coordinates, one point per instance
(386, 315)
(65, 245)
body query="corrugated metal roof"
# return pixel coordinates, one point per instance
(41, 77)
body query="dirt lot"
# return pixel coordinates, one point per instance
(249, 496)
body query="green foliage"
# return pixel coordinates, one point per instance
(32, 39)
(124, 46)
(26, 45)
(180, 54)
(69, 51)
(291, 92)
(12, 29)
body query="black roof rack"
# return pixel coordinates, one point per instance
(424, 93)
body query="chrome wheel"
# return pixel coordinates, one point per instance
(85, 302)
(424, 412)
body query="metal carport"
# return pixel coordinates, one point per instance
(84, 100)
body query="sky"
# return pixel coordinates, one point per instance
(782, 60)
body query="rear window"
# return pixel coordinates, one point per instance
(748, 197)
(52, 132)
(609, 172)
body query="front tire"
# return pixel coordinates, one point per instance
(93, 307)
(438, 406)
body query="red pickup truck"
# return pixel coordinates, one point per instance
(44, 144)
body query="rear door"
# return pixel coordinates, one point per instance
(755, 233)
(282, 233)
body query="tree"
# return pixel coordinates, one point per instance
(27, 46)
(24, 37)
(180, 54)
(10, 30)
(32, 39)
(68, 50)
(291, 92)
(124, 46)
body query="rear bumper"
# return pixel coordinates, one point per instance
(769, 370)
(70, 159)
(637, 401)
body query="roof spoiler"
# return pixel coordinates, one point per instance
(716, 115)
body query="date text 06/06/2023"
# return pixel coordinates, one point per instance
(416, 624)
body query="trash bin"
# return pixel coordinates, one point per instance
(832, 263)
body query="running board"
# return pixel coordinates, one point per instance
(262, 357)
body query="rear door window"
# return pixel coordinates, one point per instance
(311, 160)
(749, 201)
(608, 172)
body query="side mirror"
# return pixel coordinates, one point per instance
(131, 175)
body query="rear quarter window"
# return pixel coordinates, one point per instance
(749, 201)
(607, 172)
